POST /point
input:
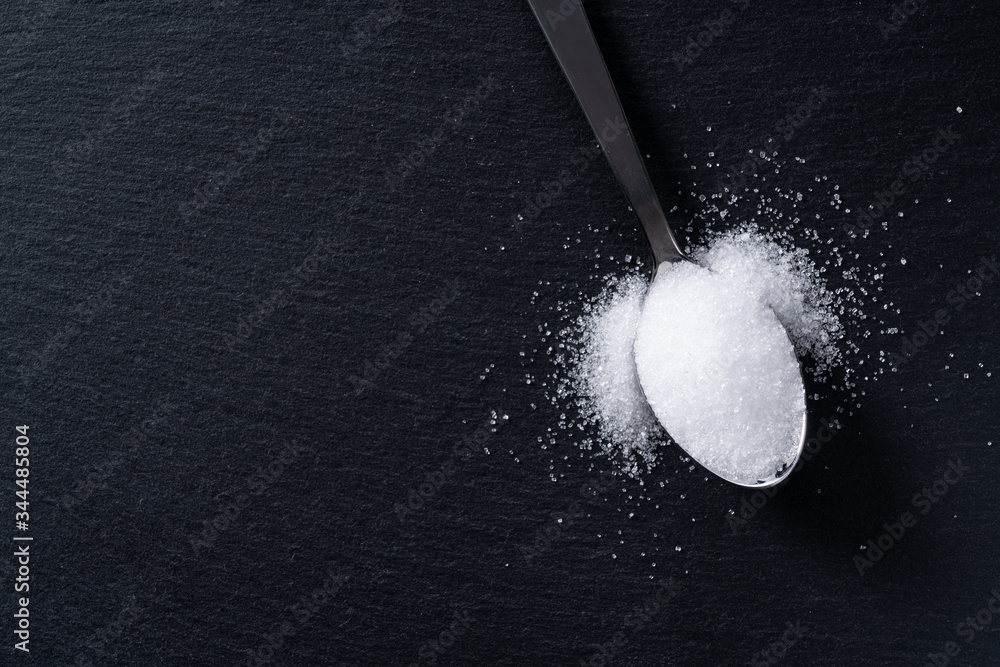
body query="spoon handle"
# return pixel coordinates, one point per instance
(568, 31)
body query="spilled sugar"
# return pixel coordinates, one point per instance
(603, 373)
(842, 363)
(795, 207)
(721, 371)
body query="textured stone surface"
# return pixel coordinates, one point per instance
(252, 275)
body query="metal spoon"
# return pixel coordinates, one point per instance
(568, 31)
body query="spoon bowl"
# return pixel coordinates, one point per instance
(718, 400)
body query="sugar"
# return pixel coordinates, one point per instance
(786, 280)
(720, 372)
(604, 378)
(729, 370)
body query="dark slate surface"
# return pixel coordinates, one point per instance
(207, 232)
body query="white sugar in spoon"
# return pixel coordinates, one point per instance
(716, 367)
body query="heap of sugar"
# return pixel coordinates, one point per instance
(604, 377)
(720, 373)
(786, 280)
(715, 338)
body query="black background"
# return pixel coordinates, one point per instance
(121, 307)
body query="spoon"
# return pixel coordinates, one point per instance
(568, 32)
